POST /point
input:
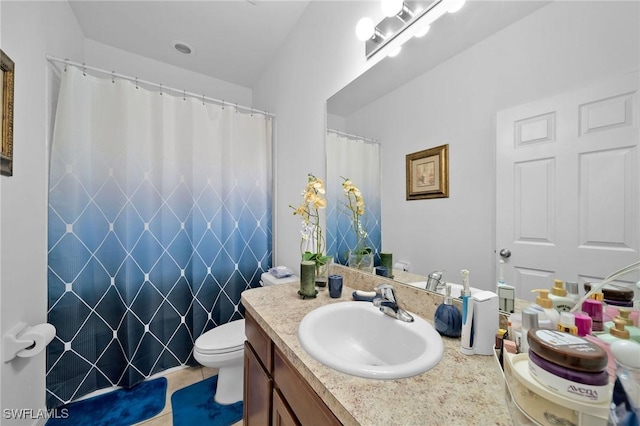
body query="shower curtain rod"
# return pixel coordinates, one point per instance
(352, 136)
(162, 87)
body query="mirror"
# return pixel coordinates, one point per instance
(448, 88)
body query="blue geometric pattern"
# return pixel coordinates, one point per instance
(152, 238)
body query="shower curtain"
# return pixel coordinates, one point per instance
(357, 159)
(159, 217)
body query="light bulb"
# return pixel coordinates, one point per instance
(422, 31)
(392, 7)
(455, 5)
(365, 29)
(395, 52)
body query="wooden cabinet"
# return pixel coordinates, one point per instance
(274, 392)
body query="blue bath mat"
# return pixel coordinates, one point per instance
(122, 407)
(194, 405)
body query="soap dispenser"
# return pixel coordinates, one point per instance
(547, 306)
(561, 302)
(624, 313)
(447, 319)
(617, 332)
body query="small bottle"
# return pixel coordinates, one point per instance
(561, 302)
(529, 321)
(593, 308)
(547, 305)
(583, 323)
(447, 319)
(568, 323)
(573, 291)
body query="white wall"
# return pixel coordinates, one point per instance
(30, 30)
(110, 58)
(320, 57)
(562, 46)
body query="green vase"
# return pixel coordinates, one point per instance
(307, 279)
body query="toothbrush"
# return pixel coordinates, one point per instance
(466, 344)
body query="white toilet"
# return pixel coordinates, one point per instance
(223, 348)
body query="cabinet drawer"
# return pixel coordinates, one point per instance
(260, 342)
(305, 403)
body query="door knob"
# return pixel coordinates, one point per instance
(505, 253)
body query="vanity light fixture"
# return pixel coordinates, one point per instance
(404, 20)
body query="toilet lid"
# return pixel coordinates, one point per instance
(224, 338)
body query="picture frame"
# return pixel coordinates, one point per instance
(428, 173)
(7, 68)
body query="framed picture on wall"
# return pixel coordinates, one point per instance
(428, 173)
(6, 94)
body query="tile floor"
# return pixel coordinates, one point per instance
(178, 380)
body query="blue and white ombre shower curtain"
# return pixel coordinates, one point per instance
(159, 217)
(358, 159)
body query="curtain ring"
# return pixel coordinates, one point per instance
(223, 104)
(203, 99)
(184, 95)
(84, 69)
(66, 62)
(236, 107)
(113, 76)
(251, 111)
(136, 82)
(160, 89)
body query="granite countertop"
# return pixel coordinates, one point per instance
(460, 390)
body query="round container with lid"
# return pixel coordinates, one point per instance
(567, 351)
(569, 365)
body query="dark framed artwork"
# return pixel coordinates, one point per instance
(6, 94)
(428, 173)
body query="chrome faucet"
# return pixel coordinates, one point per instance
(434, 282)
(389, 305)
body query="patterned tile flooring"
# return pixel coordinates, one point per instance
(178, 380)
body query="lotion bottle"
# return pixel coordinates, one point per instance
(561, 302)
(547, 306)
(616, 333)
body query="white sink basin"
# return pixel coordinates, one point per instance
(357, 339)
(456, 289)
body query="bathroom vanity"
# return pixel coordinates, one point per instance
(285, 385)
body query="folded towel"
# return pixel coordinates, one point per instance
(281, 272)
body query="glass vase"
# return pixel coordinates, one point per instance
(322, 276)
(361, 261)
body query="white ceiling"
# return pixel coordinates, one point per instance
(233, 40)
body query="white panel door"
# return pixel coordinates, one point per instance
(568, 186)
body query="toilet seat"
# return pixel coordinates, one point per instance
(222, 339)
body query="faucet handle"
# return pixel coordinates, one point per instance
(387, 292)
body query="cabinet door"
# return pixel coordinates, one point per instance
(257, 390)
(304, 402)
(282, 415)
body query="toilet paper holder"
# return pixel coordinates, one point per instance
(13, 343)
